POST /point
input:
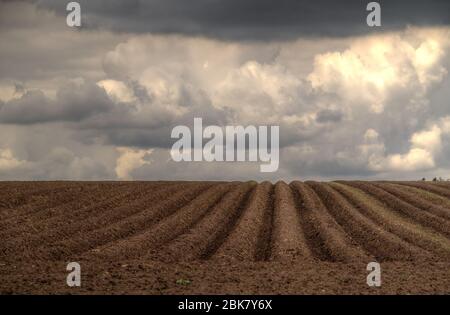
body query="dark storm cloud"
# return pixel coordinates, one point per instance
(254, 19)
(73, 103)
(329, 115)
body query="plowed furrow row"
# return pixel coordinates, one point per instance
(288, 236)
(445, 184)
(137, 217)
(55, 231)
(93, 197)
(265, 237)
(79, 200)
(429, 187)
(32, 232)
(250, 239)
(163, 230)
(326, 239)
(209, 233)
(404, 208)
(428, 196)
(118, 193)
(19, 194)
(142, 199)
(416, 201)
(369, 235)
(408, 236)
(224, 222)
(224, 230)
(138, 196)
(44, 199)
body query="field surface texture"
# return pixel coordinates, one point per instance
(224, 237)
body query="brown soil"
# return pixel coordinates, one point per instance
(224, 237)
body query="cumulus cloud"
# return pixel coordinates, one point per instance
(61, 162)
(94, 103)
(73, 103)
(8, 161)
(129, 160)
(329, 115)
(225, 83)
(118, 90)
(58, 163)
(425, 145)
(374, 68)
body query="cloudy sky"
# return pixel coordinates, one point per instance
(99, 102)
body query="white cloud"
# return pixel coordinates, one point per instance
(371, 135)
(375, 67)
(416, 159)
(259, 92)
(8, 161)
(345, 106)
(425, 146)
(429, 140)
(129, 160)
(117, 90)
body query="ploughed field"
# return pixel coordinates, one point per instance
(225, 237)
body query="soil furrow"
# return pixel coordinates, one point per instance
(133, 219)
(251, 236)
(445, 184)
(84, 234)
(369, 235)
(265, 237)
(428, 187)
(65, 224)
(404, 208)
(288, 236)
(79, 200)
(326, 239)
(428, 196)
(139, 197)
(41, 200)
(99, 195)
(409, 235)
(117, 197)
(416, 201)
(17, 195)
(164, 230)
(209, 232)
(224, 230)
